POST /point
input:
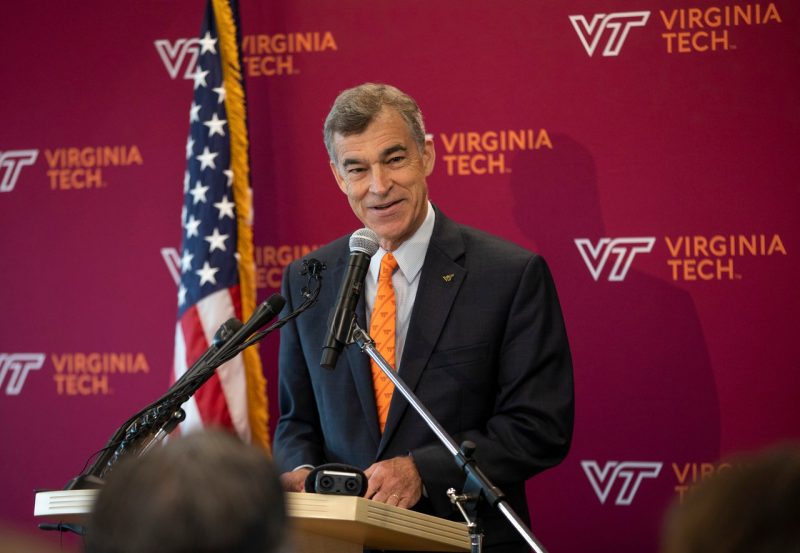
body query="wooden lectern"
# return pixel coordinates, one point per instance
(322, 523)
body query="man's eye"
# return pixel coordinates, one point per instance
(396, 159)
(355, 170)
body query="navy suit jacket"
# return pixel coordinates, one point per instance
(486, 352)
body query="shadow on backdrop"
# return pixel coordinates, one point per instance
(644, 386)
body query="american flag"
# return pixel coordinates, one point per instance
(217, 271)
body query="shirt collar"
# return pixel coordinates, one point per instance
(411, 253)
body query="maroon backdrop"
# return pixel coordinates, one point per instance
(646, 149)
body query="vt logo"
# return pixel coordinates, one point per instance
(618, 25)
(16, 366)
(11, 164)
(181, 54)
(630, 473)
(624, 250)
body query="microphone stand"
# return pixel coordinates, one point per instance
(477, 486)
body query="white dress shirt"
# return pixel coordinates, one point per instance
(405, 280)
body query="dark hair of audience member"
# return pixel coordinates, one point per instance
(203, 493)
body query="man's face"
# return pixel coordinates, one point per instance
(383, 174)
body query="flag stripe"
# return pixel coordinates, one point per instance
(212, 405)
(189, 407)
(209, 400)
(195, 342)
(234, 386)
(212, 308)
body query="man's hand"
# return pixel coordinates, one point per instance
(295, 480)
(394, 482)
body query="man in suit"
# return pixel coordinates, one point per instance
(479, 336)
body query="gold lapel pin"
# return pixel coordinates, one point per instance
(448, 278)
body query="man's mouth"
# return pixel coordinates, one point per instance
(385, 206)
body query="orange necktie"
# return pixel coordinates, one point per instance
(382, 331)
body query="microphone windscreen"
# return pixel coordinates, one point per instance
(364, 240)
(225, 331)
(276, 303)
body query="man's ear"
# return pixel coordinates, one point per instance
(428, 156)
(339, 178)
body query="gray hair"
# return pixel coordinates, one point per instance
(355, 108)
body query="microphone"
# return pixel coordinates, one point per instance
(262, 314)
(221, 337)
(363, 245)
(225, 331)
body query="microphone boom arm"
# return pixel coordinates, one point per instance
(477, 485)
(139, 433)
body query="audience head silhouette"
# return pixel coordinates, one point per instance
(203, 493)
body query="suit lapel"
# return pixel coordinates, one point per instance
(362, 376)
(440, 280)
(358, 363)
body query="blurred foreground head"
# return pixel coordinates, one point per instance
(751, 507)
(203, 493)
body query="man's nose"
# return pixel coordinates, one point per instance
(380, 182)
